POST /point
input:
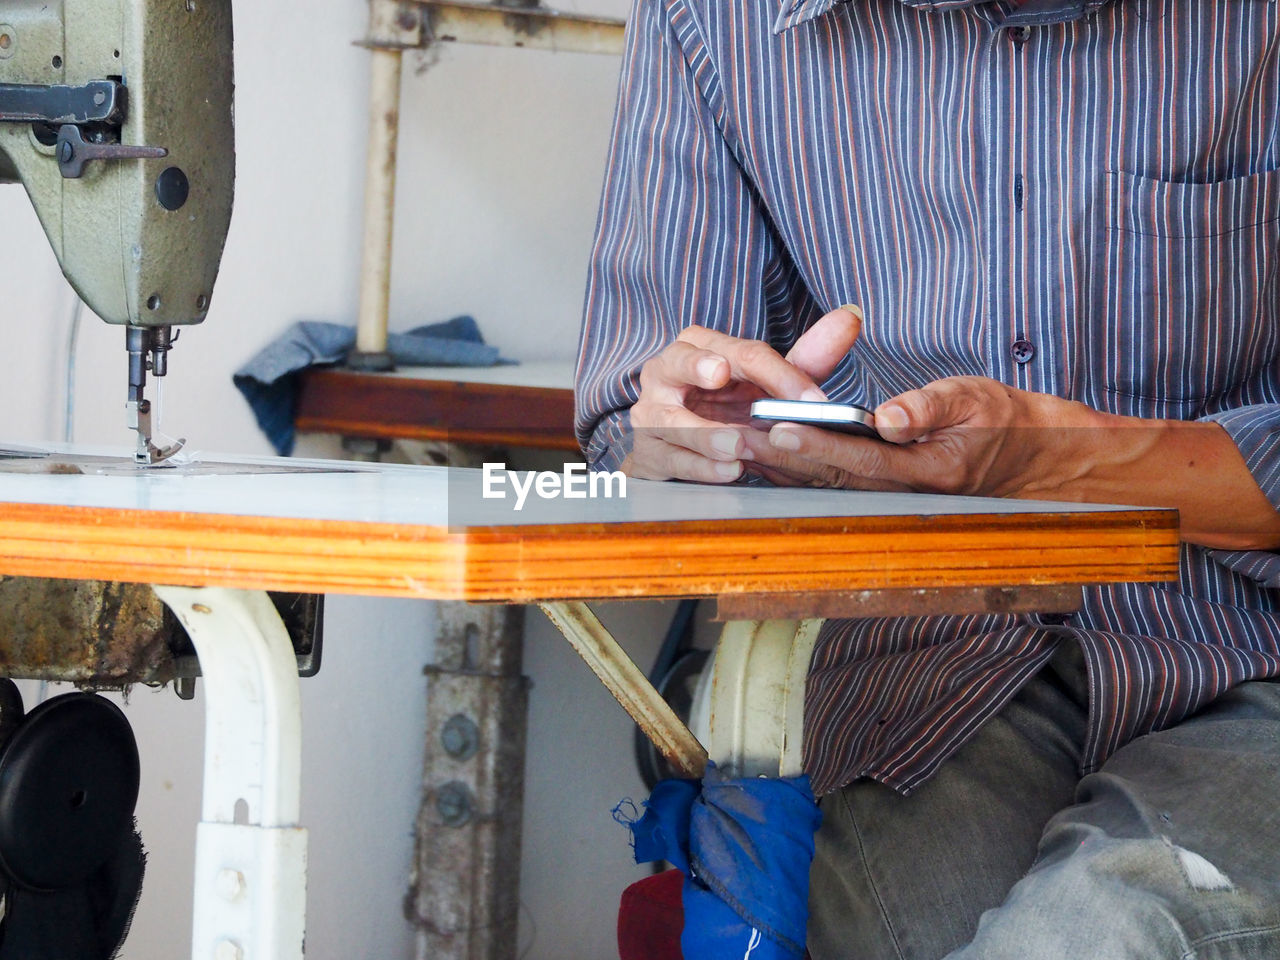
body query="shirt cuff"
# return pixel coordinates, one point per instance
(1255, 430)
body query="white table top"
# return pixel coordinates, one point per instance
(437, 496)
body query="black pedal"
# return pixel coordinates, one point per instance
(70, 857)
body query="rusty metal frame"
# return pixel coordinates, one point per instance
(108, 635)
(532, 27)
(88, 632)
(464, 889)
(405, 24)
(399, 25)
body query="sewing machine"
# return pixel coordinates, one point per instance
(116, 115)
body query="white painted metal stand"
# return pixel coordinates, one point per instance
(251, 862)
(752, 719)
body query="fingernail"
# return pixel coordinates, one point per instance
(708, 367)
(895, 418)
(726, 442)
(852, 308)
(729, 471)
(784, 438)
(814, 394)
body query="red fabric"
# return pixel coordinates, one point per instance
(651, 917)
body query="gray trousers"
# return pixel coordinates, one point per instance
(1170, 852)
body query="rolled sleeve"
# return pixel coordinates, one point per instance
(681, 238)
(1256, 432)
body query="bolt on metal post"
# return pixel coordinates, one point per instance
(454, 804)
(460, 737)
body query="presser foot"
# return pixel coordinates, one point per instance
(147, 453)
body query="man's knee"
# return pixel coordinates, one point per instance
(1095, 895)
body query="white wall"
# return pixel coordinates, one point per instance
(501, 160)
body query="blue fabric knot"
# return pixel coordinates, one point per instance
(744, 846)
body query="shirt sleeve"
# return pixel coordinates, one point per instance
(681, 238)
(1256, 431)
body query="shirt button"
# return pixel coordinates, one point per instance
(1022, 351)
(1019, 34)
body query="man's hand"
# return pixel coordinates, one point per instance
(696, 395)
(979, 437)
(962, 435)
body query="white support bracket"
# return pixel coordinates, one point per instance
(755, 711)
(251, 864)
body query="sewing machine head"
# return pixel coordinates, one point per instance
(116, 115)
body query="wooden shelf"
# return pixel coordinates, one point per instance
(405, 406)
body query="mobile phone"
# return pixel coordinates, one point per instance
(840, 417)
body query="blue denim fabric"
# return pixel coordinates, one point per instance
(1170, 852)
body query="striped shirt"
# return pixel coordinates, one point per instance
(1077, 197)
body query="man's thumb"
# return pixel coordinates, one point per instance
(821, 348)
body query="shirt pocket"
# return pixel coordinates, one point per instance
(1187, 304)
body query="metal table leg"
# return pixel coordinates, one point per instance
(629, 686)
(251, 855)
